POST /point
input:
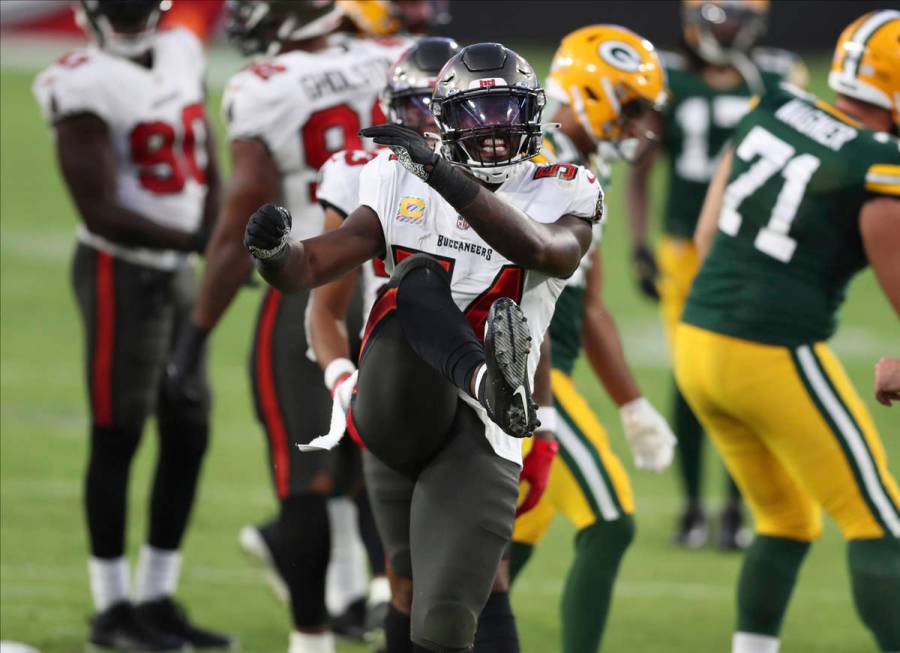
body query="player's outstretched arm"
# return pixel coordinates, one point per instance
(328, 306)
(879, 223)
(638, 202)
(708, 223)
(88, 165)
(649, 435)
(554, 249)
(291, 266)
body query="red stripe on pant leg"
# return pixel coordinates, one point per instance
(104, 340)
(268, 397)
(385, 304)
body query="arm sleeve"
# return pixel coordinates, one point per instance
(339, 181)
(377, 187)
(883, 179)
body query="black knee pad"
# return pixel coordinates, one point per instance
(448, 627)
(417, 262)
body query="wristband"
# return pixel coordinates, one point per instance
(339, 367)
(454, 186)
(548, 417)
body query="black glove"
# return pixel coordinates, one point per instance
(412, 149)
(180, 384)
(646, 272)
(416, 155)
(267, 234)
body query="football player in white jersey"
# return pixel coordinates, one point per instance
(286, 114)
(135, 151)
(465, 236)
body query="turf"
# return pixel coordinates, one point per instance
(666, 600)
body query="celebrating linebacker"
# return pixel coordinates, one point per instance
(808, 196)
(431, 399)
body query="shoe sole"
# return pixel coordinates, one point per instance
(253, 544)
(512, 344)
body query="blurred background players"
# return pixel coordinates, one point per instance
(286, 114)
(136, 153)
(711, 81)
(607, 83)
(807, 196)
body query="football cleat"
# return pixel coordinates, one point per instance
(258, 542)
(118, 628)
(733, 534)
(505, 391)
(692, 530)
(167, 616)
(351, 623)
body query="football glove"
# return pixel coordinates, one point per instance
(268, 233)
(646, 272)
(649, 436)
(536, 472)
(412, 149)
(180, 384)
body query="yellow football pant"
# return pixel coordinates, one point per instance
(678, 264)
(793, 432)
(587, 480)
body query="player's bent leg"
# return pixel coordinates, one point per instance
(454, 569)
(531, 526)
(875, 578)
(590, 486)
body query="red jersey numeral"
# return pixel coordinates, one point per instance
(565, 171)
(358, 157)
(153, 152)
(509, 282)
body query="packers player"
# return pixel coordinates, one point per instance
(385, 18)
(808, 196)
(607, 82)
(711, 81)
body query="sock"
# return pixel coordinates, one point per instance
(875, 577)
(496, 632)
(753, 643)
(369, 534)
(432, 323)
(690, 446)
(479, 378)
(182, 444)
(304, 537)
(767, 579)
(106, 488)
(519, 554)
(587, 594)
(157, 574)
(346, 580)
(396, 632)
(379, 590)
(311, 642)
(109, 581)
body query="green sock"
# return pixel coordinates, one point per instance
(519, 554)
(588, 591)
(875, 576)
(767, 580)
(690, 445)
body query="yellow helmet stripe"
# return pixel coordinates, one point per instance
(862, 35)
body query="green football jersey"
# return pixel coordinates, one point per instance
(789, 238)
(699, 121)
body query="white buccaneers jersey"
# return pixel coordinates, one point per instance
(339, 188)
(305, 106)
(415, 218)
(157, 125)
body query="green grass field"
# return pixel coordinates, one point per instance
(666, 599)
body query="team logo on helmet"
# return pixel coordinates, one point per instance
(619, 54)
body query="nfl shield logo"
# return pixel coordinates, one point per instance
(461, 223)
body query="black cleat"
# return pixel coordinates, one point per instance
(505, 391)
(351, 624)
(118, 629)
(166, 616)
(259, 542)
(733, 534)
(692, 530)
